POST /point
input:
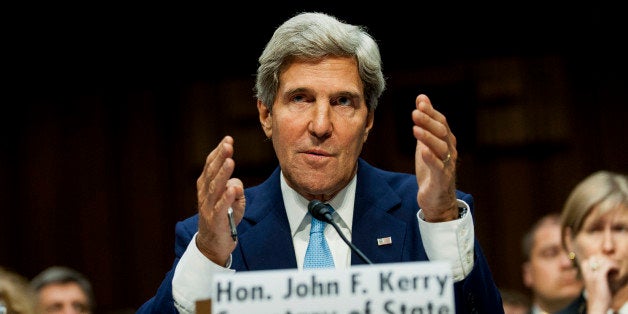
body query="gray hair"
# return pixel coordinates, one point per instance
(604, 190)
(62, 275)
(313, 36)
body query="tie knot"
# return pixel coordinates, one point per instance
(318, 254)
(317, 226)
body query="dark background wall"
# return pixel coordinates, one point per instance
(109, 112)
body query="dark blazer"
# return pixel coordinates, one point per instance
(385, 205)
(578, 306)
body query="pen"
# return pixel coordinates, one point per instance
(232, 226)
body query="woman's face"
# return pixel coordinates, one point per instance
(605, 237)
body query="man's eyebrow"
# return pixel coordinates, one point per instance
(297, 90)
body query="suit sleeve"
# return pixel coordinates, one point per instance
(477, 293)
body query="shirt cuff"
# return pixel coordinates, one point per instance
(193, 277)
(451, 241)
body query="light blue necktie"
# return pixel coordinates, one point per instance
(318, 254)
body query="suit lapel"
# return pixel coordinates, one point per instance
(372, 220)
(267, 243)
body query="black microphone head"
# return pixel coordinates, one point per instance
(319, 210)
(323, 212)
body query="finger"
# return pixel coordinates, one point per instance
(431, 121)
(224, 203)
(601, 264)
(216, 158)
(431, 126)
(214, 202)
(433, 148)
(428, 122)
(432, 165)
(214, 228)
(236, 187)
(217, 170)
(424, 105)
(218, 218)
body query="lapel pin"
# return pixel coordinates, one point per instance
(384, 241)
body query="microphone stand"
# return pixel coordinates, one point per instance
(318, 212)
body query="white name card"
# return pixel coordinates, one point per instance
(413, 287)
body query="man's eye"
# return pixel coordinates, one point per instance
(550, 252)
(298, 98)
(344, 101)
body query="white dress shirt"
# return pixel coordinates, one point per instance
(451, 241)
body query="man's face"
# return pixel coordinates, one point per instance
(318, 124)
(63, 298)
(549, 273)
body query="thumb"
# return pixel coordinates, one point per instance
(235, 186)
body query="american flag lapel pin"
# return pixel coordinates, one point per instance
(384, 241)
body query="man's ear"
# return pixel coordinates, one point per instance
(526, 273)
(369, 125)
(568, 240)
(265, 118)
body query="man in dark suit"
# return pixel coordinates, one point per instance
(317, 87)
(547, 271)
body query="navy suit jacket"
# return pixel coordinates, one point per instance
(385, 206)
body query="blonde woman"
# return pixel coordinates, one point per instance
(16, 296)
(595, 233)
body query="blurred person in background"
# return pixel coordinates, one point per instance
(515, 302)
(63, 290)
(594, 224)
(16, 296)
(547, 270)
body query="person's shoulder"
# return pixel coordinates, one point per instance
(271, 180)
(386, 182)
(269, 186)
(576, 306)
(189, 224)
(398, 180)
(364, 165)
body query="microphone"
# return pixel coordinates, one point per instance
(322, 212)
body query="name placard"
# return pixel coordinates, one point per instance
(413, 287)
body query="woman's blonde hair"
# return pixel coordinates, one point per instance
(604, 190)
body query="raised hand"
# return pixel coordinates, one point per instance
(435, 162)
(216, 193)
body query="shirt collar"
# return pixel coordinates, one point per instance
(296, 206)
